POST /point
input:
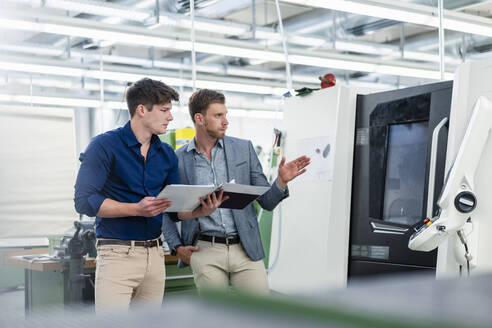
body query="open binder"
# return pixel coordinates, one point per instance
(185, 198)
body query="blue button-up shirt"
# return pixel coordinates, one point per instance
(113, 167)
(221, 221)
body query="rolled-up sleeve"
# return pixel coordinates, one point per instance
(93, 173)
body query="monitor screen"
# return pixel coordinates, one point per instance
(405, 173)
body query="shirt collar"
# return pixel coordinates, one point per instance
(129, 136)
(192, 145)
(131, 140)
(155, 140)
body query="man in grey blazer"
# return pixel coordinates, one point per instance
(223, 246)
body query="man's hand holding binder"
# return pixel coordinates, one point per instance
(210, 203)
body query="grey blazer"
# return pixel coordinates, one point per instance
(243, 166)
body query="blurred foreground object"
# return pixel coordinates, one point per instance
(408, 301)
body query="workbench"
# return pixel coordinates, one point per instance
(13, 277)
(47, 284)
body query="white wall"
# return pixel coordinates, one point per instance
(257, 129)
(37, 176)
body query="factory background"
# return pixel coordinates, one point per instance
(300, 76)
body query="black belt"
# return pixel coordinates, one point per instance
(222, 240)
(141, 243)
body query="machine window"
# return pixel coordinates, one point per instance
(405, 173)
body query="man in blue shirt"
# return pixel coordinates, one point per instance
(120, 174)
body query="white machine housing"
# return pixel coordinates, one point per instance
(458, 201)
(314, 222)
(468, 161)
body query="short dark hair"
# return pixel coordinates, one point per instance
(201, 99)
(149, 92)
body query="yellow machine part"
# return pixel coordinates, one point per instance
(184, 136)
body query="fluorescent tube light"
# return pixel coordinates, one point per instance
(97, 34)
(38, 49)
(53, 101)
(41, 69)
(387, 10)
(406, 12)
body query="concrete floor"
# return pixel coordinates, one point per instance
(12, 302)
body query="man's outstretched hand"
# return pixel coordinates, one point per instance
(291, 170)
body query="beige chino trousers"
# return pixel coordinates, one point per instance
(129, 275)
(217, 266)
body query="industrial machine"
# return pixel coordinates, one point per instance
(352, 214)
(394, 166)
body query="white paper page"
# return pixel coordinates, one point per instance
(184, 198)
(320, 150)
(244, 189)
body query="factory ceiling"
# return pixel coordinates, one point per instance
(64, 52)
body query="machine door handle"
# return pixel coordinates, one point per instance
(432, 167)
(386, 228)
